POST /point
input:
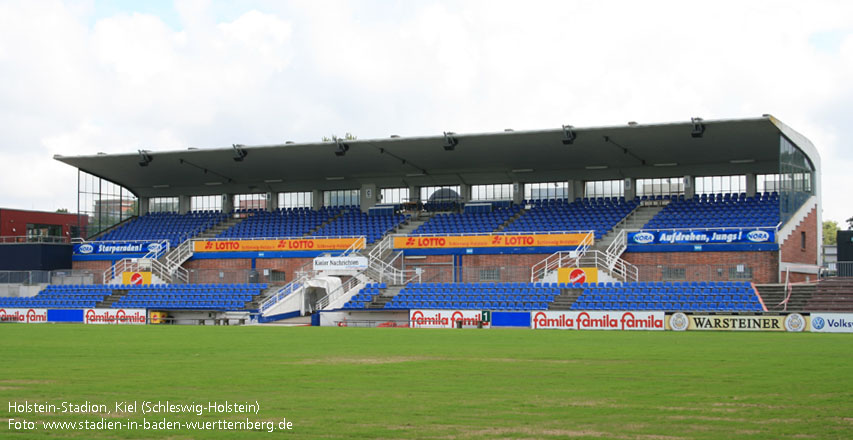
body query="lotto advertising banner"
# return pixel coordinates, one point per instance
(136, 278)
(597, 320)
(299, 244)
(492, 241)
(794, 322)
(24, 316)
(705, 236)
(114, 316)
(832, 322)
(577, 275)
(106, 248)
(449, 318)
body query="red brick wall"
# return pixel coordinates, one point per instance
(236, 269)
(94, 266)
(706, 266)
(792, 250)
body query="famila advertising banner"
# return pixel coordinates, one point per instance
(450, 318)
(569, 320)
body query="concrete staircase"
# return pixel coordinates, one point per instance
(774, 294)
(112, 299)
(218, 228)
(322, 225)
(565, 299)
(256, 301)
(635, 220)
(384, 297)
(409, 226)
(832, 295)
(510, 220)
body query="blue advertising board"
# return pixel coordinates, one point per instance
(702, 236)
(116, 247)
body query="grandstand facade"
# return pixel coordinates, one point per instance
(685, 216)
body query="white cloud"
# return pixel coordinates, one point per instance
(298, 71)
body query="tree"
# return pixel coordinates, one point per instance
(830, 229)
(850, 223)
(334, 138)
(62, 210)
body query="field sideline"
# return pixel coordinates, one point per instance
(409, 383)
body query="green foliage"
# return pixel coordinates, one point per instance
(62, 211)
(334, 138)
(830, 230)
(471, 384)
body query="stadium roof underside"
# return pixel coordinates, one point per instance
(727, 147)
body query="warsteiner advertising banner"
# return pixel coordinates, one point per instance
(793, 322)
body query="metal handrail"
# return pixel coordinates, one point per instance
(556, 260)
(620, 267)
(284, 291)
(337, 293)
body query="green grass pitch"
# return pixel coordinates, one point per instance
(442, 384)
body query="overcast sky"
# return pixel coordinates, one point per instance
(91, 76)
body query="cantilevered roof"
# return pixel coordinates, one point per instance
(726, 147)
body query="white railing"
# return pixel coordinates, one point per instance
(180, 254)
(341, 290)
(617, 267)
(158, 251)
(156, 268)
(357, 245)
(616, 249)
(561, 259)
(380, 248)
(286, 290)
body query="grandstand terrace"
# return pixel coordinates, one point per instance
(685, 216)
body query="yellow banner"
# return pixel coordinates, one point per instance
(575, 275)
(157, 317)
(793, 322)
(298, 244)
(486, 241)
(136, 278)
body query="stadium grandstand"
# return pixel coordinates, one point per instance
(697, 216)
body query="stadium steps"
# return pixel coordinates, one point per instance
(510, 220)
(112, 299)
(410, 225)
(832, 295)
(385, 296)
(256, 301)
(774, 294)
(331, 220)
(565, 299)
(220, 227)
(634, 220)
